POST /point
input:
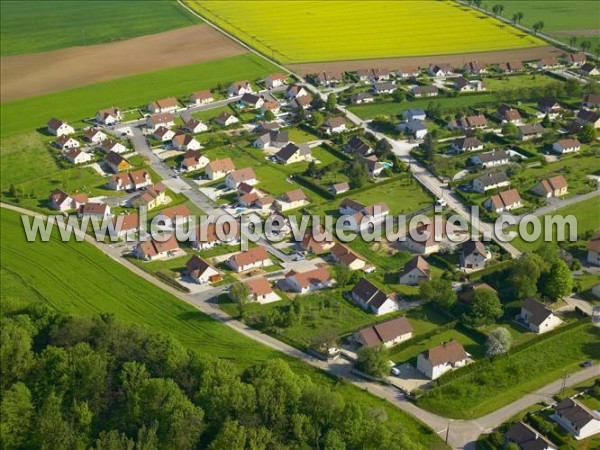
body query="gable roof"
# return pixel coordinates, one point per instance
(594, 244)
(506, 198)
(470, 247)
(221, 165)
(315, 276)
(496, 155)
(196, 266)
(447, 352)
(161, 118)
(291, 149)
(492, 179)
(175, 212)
(576, 413)
(115, 158)
(250, 256)
(418, 262)
(552, 184)
(169, 102)
(369, 293)
(259, 286)
(241, 175)
(55, 123)
(295, 195)
(357, 145)
(335, 122)
(385, 332)
(153, 247)
(527, 438)
(539, 312)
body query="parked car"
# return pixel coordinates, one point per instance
(588, 363)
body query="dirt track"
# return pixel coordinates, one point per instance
(40, 73)
(424, 61)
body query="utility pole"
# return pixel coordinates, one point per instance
(564, 383)
(447, 432)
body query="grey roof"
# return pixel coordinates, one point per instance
(497, 155)
(467, 142)
(539, 312)
(357, 145)
(289, 150)
(527, 438)
(416, 125)
(492, 179)
(414, 112)
(250, 98)
(369, 293)
(576, 413)
(530, 129)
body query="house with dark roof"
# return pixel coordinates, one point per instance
(538, 317)
(491, 159)
(531, 131)
(415, 271)
(585, 116)
(577, 419)
(372, 299)
(361, 98)
(589, 70)
(201, 272)
(388, 333)
(490, 181)
(467, 144)
(461, 84)
(508, 114)
(61, 201)
(473, 256)
(593, 248)
(293, 153)
(528, 438)
(467, 123)
(59, 128)
(252, 101)
(386, 87)
(116, 163)
(436, 361)
(424, 91)
(440, 70)
(195, 126)
(276, 139)
(358, 146)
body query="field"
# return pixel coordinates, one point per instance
(130, 92)
(442, 28)
(38, 26)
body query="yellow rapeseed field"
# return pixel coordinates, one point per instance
(307, 31)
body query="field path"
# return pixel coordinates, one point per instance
(40, 73)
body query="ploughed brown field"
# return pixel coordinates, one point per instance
(40, 73)
(458, 60)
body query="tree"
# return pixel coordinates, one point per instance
(538, 26)
(546, 122)
(558, 283)
(573, 41)
(15, 353)
(429, 147)
(399, 95)
(15, 420)
(269, 115)
(374, 361)
(342, 274)
(525, 274)
(510, 130)
(240, 293)
(588, 133)
(485, 308)
(585, 46)
(515, 18)
(316, 119)
(499, 341)
(497, 9)
(358, 174)
(519, 16)
(331, 104)
(438, 291)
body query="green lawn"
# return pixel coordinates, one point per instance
(518, 81)
(38, 26)
(129, 92)
(506, 379)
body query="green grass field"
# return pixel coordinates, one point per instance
(386, 29)
(38, 26)
(75, 104)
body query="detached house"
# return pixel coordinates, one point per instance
(556, 186)
(309, 281)
(77, 156)
(239, 88)
(163, 134)
(65, 142)
(252, 101)
(577, 418)
(550, 106)
(273, 106)
(250, 259)
(474, 68)
(490, 181)
(235, 178)
(504, 201)
(384, 88)
(201, 272)
(440, 70)
(415, 271)
(94, 210)
(226, 119)
(593, 248)
(151, 198)
(183, 142)
(275, 80)
(370, 298)
(201, 98)
(163, 106)
(468, 123)
(461, 84)
(531, 131)
(373, 165)
(316, 243)
(109, 116)
(415, 128)
(388, 333)
(57, 127)
(94, 135)
(207, 237)
(511, 67)
(219, 168)
(538, 317)
(427, 239)
(152, 249)
(528, 438)
(509, 115)
(295, 91)
(195, 126)
(548, 63)
(361, 98)
(590, 101)
(424, 91)
(303, 102)
(414, 114)
(491, 159)
(566, 146)
(436, 361)
(116, 163)
(261, 291)
(110, 145)
(135, 180)
(357, 146)
(61, 201)
(175, 216)
(329, 79)
(125, 225)
(589, 70)
(577, 59)
(408, 72)
(334, 125)
(291, 200)
(166, 120)
(585, 116)
(473, 256)
(276, 139)
(467, 144)
(340, 188)
(293, 153)
(193, 160)
(343, 255)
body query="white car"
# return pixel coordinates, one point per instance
(441, 202)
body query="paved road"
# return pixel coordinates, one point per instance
(463, 433)
(558, 204)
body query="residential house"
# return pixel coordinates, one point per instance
(151, 198)
(504, 201)
(358, 146)
(166, 120)
(61, 201)
(373, 165)
(362, 98)
(201, 98)
(528, 438)
(94, 135)
(207, 237)
(440, 70)
(77, 156)
(135, 180)
(474, 68)
(261, 291)
(175, 216)
(291, 200)
(340, 188)
(303, 102)
(245, 175)
(589, 70)
(408, 72)
(94, 210)
(226, 119)
(467, 294)
(295, 91)
(473, 256)
(343, 255)
(309, 281)
(316, 243)
(252, 101)
(153, 249)
(538, 317)
(577, 419)
(273, 106)
(593, 248)
(265, 127)
(566, 146)
(511, 67)
(414, 114)
(467, 123)
(415, 128)
(586, 116)
(555, 186)
(428, 238)
(293, 153)
(195, 126)
(59, 128)
(275, 80)
(329, 79)
(380, 74)
(548, 63)
(491, 159)
(163, 134)
(219, 168)
(467, 144)
(65, 142)
(372, 299)
(125, 225)
(254, 258)
(184, 142)
(590, 101)
(239, 88)
(277, 139)
(424, 91)
(436, 361)
(384, 88)
(110, 145)
(109, 116)
(550, 107)
(200, 271)
(461, 84)
(116, 163)
(388, 333)
(193, 160)
(350, 207)
(415, 272)
(334, 125)
(490, 181)
(577, 59)
(163, 105)
(531, 131)
(509, 115)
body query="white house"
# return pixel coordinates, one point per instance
(538, 317)
(109, 116)
(98, 210)
(137, 179)
(436, 361)
(566, 146)
(201, 272)
(61, 201)
(261, 291)
(183, 142)
(416, 128)
(440, 70)
(577, 418)
(343, 255)
(153, 249)
(414, 114)
(334, 125)
(593, 248)
(491, 159)
(467, 144)
(245, 175)
(163, 134)
(309, 281)
(490, 181)
(295, 91)
(254, 258)
(201, 98)
(428, 238)
(66, 142)
(415, 271)
(94, 135)
(57, 127)
(239, 88)
(193, 160)
(555, 186)
(252, 101)
(504, 201)
(275, 80)
(370, 298)
(528, 438)
(388, 333)
(277, 139)
(293, 153)
(77, 156)
(163, 106)
(226, 119)
(195, 126)
(219, 168)
(110, 145)
(291, 200)
(473, 256)
(166, 120)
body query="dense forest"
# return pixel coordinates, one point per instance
(94, 383)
